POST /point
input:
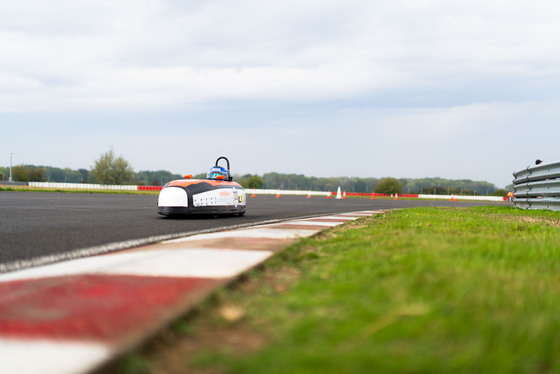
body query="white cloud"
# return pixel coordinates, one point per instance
(372, 80)
(152, 53)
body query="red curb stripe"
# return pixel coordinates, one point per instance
(110, 308)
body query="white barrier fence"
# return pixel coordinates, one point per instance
(463, 197)
(83, 186)
(323, 193)
(249, 191)
(259, 191)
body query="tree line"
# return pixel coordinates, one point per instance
(109, 169)
(33, 173)
(438, 186)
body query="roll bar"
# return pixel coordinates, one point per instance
(227, 161)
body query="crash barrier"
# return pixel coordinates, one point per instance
(365, 194)
(538, 187)
(463, 197)
(277, 191)
(90, 186)
(84, 186)
(149, 188)
(257, 191)
(6, 183)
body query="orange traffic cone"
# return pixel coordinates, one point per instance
(254, 193)
(344, 195)
(328, 194)
(309, 195)
(452, 198)
(373, 195)
(396, 196)
(278, 194)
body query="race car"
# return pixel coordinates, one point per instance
(215, 195)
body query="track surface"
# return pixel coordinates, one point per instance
(39, 224)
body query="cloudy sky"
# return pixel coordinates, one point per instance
(371, 88)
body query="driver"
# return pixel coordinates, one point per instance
(217, 173)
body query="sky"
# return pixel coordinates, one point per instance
(465, 89)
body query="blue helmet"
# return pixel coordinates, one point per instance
(218, 173)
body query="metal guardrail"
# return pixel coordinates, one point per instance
(538, 187)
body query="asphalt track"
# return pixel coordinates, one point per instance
(36, 225)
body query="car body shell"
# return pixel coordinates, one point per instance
(202, 196)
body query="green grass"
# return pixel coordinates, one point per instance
(424, 290)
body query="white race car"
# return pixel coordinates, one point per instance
(216, 195)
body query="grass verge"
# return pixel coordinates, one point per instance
(423, 290)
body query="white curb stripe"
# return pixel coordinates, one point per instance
(19, 356)
(206, 263)
(203, 263)
(312, 223)
(366, 213)
(263, 233)
(340, 217)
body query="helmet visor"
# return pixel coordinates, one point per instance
(217, 173)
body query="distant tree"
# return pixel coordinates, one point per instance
(154, 178)
(254, 181)
(84, 174)
(436, 190)
(27, 173)
(111, 170)
(55, 174)
(500, 192)
(72, 176)
(20, 173)
(36, 175)
(389, 186)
